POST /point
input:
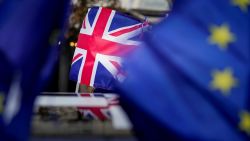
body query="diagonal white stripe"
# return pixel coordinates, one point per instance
(84, 54)
(105, 61)
(90, 29)
(124, 38)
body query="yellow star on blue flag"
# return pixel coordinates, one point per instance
(223, 80)
(221, 36)
(242, 4)
(244, 124)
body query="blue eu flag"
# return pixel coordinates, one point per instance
(28, 30)
(190, 79)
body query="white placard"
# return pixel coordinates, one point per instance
(153, 5)
(68, 101)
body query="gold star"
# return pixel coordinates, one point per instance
(244, 124)
(223, 80)
(242, 4)
(221, 36)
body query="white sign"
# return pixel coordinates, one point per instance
(152, 5)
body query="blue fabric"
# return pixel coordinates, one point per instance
(168, 93)
(29, 33)
(103, 78)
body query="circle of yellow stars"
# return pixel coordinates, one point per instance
(224, 80)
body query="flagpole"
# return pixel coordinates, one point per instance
(77, 87)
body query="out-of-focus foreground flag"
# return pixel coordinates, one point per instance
(190, 80)
(28, 29)
(105, 36)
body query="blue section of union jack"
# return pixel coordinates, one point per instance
(105, 36)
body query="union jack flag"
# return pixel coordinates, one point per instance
(105, 36)
(99, 112)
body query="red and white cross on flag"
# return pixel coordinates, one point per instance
(96, 111)
(106, 35)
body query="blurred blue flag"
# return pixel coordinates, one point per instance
(190, 80)
(28, 31)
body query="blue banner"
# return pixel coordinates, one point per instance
(190, 79)
(28, 31)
